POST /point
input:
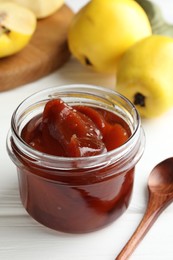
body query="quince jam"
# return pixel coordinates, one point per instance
(77, 131)
(77, 184)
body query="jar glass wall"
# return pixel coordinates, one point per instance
(77, 194)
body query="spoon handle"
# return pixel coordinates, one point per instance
(155, 206)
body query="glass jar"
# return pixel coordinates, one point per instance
(76, 195)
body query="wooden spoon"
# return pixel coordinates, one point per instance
(160, 186)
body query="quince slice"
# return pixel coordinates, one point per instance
(17, 25)
(41, 8)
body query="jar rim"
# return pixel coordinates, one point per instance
(52, 160)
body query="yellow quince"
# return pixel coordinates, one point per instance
(145, 75)
(104, 29)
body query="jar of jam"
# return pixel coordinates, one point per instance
(75, 148)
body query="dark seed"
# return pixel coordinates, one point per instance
(5, 30)
(88, 62)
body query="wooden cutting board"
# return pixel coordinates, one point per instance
(46, 52)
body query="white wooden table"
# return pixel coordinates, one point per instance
(23, 238)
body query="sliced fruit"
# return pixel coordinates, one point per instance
(17, 25)
(41, 8)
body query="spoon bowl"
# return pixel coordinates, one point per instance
(161, 177)
(160, 187)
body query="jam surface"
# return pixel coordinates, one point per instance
(77, 131)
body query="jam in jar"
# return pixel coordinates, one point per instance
(75, 148)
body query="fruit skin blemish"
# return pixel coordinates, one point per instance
(75, 153)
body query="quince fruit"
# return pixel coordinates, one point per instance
(17, 25)
(41, 8)
(145, 75)
(104, 29)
